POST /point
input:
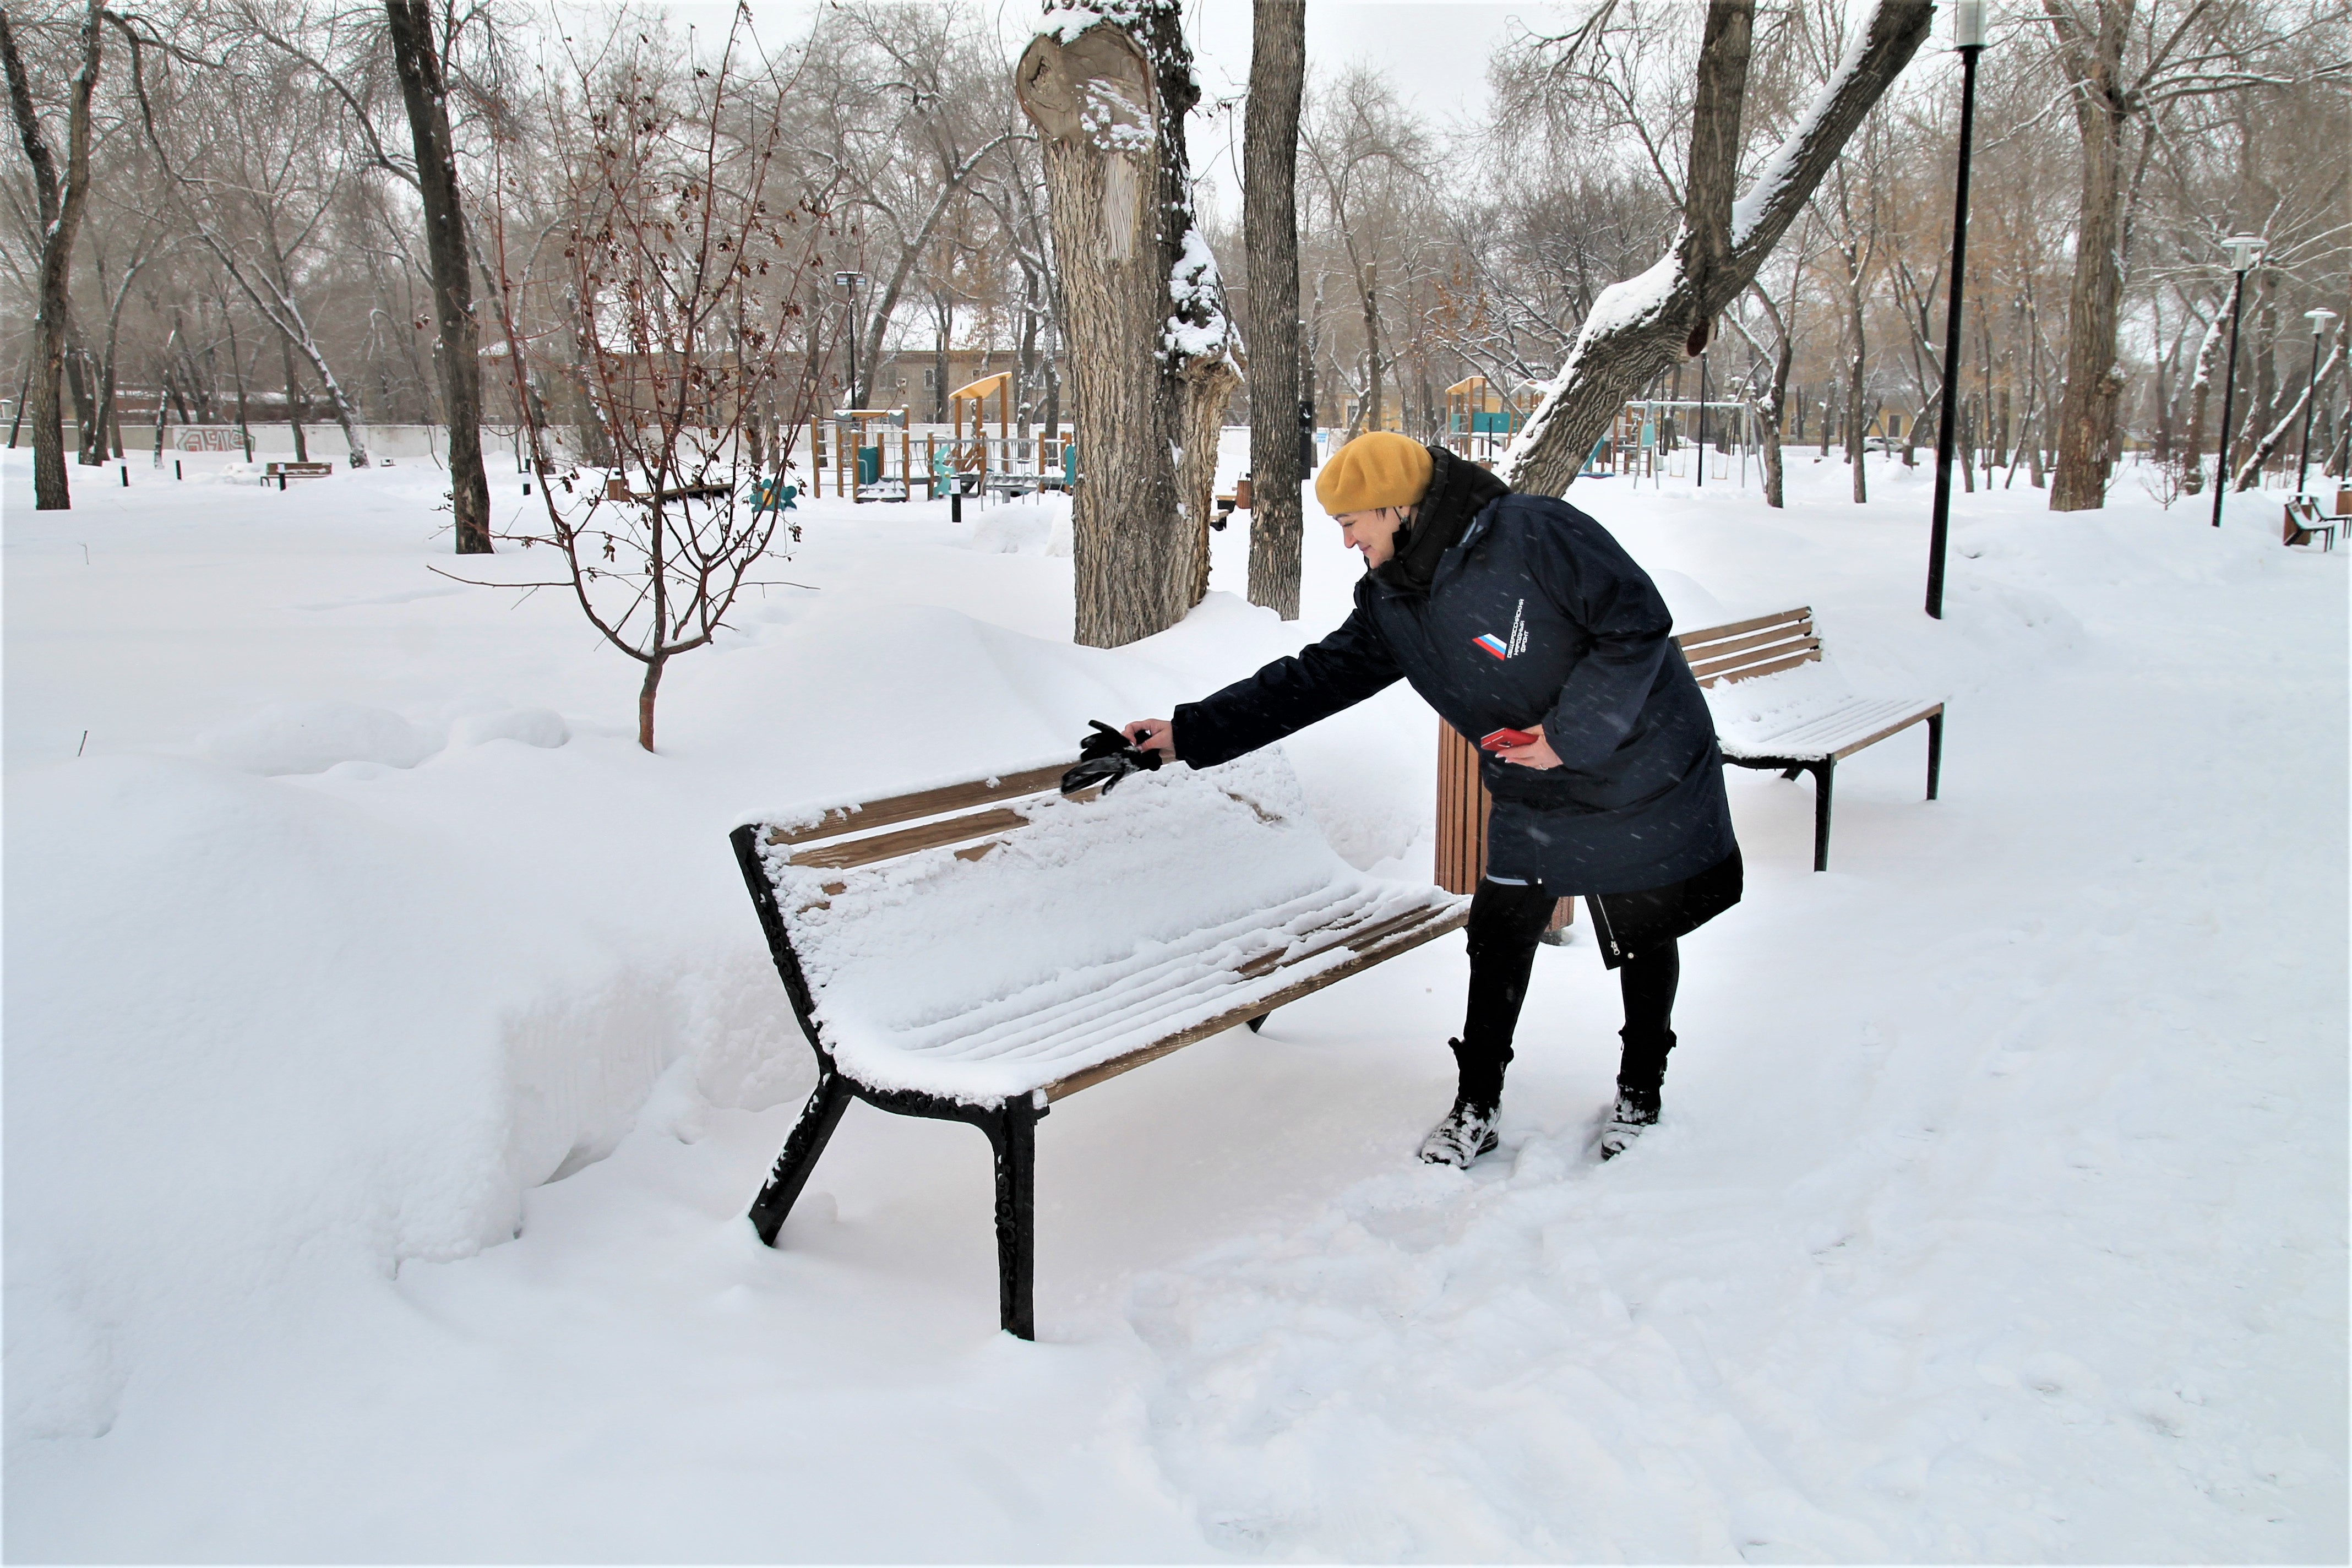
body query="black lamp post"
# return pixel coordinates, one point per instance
(2318, 320)
(1702, 420)
(2245, 249)
(1967, 38)
(850, 280)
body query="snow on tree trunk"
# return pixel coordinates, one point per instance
(1644, 326)
(1153, 356)
(2250, 472)
(2200, 389)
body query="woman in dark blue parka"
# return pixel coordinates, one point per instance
(1518, 611)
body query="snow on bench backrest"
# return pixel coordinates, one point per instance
(1001, 950)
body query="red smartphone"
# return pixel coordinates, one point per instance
(1498, 740)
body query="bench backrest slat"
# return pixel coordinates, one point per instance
(1742, 650)
(896, 808)
(849, 852)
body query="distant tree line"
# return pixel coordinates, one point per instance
(313, 212)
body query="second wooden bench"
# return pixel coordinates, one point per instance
(1798, 727)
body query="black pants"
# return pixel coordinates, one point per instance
(1506, 920)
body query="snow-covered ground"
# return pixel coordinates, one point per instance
(391, 1054)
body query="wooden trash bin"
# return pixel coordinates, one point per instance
(1462, 807)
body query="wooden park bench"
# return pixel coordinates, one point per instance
(977, 951)
(616, 488)
(282, 472)
(1815, 727)
(2306, 522)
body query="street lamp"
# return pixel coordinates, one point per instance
(2318, 320)
(850, 280)
(1702, 418)
(2245, 249)
(1969, 38)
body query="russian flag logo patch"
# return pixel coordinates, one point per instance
(1493, 644)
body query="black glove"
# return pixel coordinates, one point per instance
(1106, 757)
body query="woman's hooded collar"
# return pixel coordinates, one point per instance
(1458, 491)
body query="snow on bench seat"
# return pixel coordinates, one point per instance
(1028, 947)
(1824, 728)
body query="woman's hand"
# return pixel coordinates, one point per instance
(1535, 754)
(1160, 736)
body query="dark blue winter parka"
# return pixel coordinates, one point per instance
(1523, 612)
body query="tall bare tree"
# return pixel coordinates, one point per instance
(425, 92)
(2125, 62)
(62, 202)
(1270, 230)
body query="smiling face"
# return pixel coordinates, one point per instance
(1373, 532)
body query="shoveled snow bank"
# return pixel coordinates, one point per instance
(277, 1037)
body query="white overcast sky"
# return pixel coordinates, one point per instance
(1434, 51)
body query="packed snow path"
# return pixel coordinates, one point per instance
(1999, 1211)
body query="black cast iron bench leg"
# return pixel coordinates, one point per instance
(1012, 1133)
(1934, 751)
(810, 1135)
(1821, 773)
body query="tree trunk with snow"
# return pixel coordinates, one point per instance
(1769, 424)
(1270, 233)
(1644, 326)
(61, 203)
(1153, 356)
(2200, 389)
(2250, 471)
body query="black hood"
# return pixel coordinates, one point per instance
(1458, 491)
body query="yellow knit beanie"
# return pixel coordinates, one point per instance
(1378, 468)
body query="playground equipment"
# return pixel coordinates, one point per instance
(1479, 422)
(1651, 439)
(855, 444)
(1005, 463)
(871, 455)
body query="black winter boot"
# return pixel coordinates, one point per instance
(1468, 1130)
(1640, 1074)
(1635, 1110)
